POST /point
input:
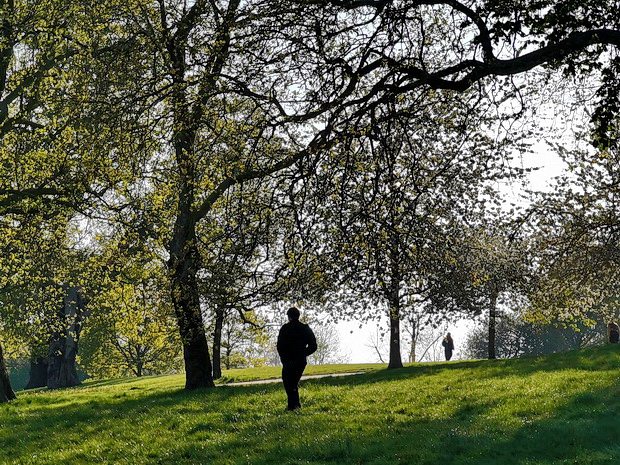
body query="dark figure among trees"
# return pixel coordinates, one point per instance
(448, 346)
(295, 342)
(614, 332)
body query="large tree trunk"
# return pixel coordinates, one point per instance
(492, 323)
(217, 343)
(38, 373)
(183, 265)
(62, 367)
(191, 328)
(6, 391)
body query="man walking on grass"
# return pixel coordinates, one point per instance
(295, 342)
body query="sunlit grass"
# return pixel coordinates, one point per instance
(551, 410)
(252, 374)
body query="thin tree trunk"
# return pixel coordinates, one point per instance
(227, 356)
(217, 343)
(394, 303)
(6, 391)
(492, 323)
(414, 338)
(395, 358)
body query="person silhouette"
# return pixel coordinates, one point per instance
(448, 346)
(295, 342)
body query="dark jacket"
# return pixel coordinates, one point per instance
(295, 342)
(448, 344)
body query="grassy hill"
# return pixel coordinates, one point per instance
(561, 409)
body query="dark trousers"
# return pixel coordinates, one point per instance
(291, 374)
(448, 354)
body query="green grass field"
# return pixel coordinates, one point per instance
(562, 409)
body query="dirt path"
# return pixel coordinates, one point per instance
(278, 380)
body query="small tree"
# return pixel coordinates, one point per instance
(131, 328)
(328, 344)
(517, 337)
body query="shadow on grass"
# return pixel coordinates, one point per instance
(238, 424)
(582, 431)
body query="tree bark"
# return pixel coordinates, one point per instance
(186, 302)
(217, 344)
(6, 391)
(395, 358)
(414, 338)
(393, 298)
(183, 263)
(191, 328)
(38, 373)
(492, 323)
(62, 367)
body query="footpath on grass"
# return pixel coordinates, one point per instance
(278, 380)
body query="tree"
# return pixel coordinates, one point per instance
(303, 74)
(517, 337)
(53, 156)
(244, 342)
(243, 249)
(578, 241)
(376, 343)
(395, 204)
(328, 343)
(39, 270)
(500, 263)
(131, 328)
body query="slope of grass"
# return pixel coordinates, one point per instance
(252, 374)
(561, 409)
(247, 374)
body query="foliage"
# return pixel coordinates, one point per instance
(39, 262)
(245, 342)
(165, 108)
(516, 337)
(578, 241)
(240, 92)
(394, 204)
(131, 328)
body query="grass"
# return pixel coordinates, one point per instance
(561, 409)
(246, 374)
(253, 374)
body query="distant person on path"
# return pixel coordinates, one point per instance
(613, 332)
(295, 342)
(448, 346)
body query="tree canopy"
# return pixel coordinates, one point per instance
(164, 116)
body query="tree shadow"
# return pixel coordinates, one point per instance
(248, 424)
